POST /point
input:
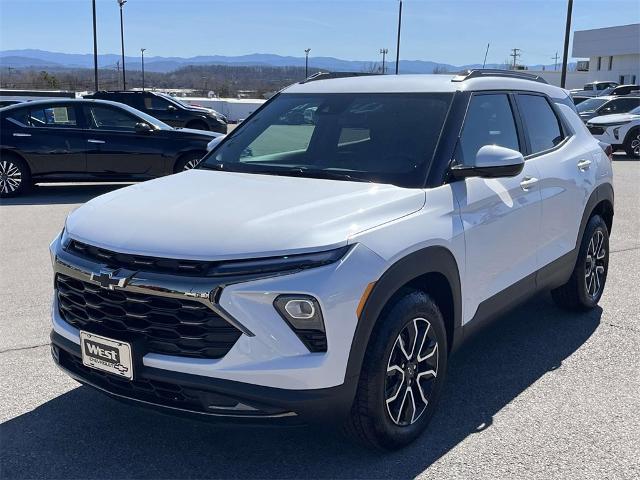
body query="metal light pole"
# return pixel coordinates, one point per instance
(306, 62)
(567, 32)
(384, 52)
(95, 48)
(485, 56)
(142, 52)
(124, 77)
(398, 42)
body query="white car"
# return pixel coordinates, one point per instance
(620, 130)
(325, 270)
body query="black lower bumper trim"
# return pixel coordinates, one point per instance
(210, 398)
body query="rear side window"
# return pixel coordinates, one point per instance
(55, 116)
(542, 124)
(489, 122)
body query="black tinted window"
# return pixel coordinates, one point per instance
(105, 118)
(54, 116)
(542, 124)
(385, 138)
(20, 115)
(621, 105)
(489, 121)
(156, 103)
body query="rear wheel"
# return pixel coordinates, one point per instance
(188, 161)
(585, 287)
(15, 177)
(632, 143)
(402, 374)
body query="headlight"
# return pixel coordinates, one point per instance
(278, 264)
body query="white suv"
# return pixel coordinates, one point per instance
(326, 258)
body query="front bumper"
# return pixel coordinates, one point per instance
(268, 361)
(207, 398)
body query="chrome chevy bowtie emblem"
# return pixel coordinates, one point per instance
(109, 279)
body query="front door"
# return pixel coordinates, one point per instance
(500, 216)
(115, 148)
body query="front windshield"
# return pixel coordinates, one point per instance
(591, 104)
(635, 111)
(174, 100)
(382, 137)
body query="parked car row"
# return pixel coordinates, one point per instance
(76, 140)
(620, 130)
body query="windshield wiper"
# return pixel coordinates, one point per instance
(327, 174)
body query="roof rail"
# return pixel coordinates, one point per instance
(494, 72)
(331, 75)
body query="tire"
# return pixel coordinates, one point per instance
(380, 418)
(198, 125)
(187, 161)
(632, 143)
(15, 176)
(584, 289)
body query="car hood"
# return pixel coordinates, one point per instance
(209, 215)
(614, 118)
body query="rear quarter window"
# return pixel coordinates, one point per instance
(542, 125)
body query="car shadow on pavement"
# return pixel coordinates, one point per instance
(83, 434)
(58, 194)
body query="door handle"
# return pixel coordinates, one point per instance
(584, 165)
(91, 140)
(21, 134)
(528, 182)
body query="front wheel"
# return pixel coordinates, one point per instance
(187, 162)
(632, 143)
(586, 285)
(402, 374)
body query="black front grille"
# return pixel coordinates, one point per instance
(159, 324)
(138, 262)
(595, 130)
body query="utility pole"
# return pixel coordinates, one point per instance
(567, 32)
(95, 48)
(124, 77)
(555, 65)
(384, 52)
(306, 62)
(118, 75)
(398, 41)
(515, 53)
(142, 52)
(485, 56)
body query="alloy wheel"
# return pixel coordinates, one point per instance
(411, 372)
(191, 164)
(635, 145)
(10, 176)
(595, 264)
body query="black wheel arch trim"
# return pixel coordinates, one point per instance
(434, 259)
(602, 193)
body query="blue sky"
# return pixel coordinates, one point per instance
(452, 31)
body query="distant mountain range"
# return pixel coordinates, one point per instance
(43, 59)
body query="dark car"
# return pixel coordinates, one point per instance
(598, 106)
(168, 109)
(90, 140)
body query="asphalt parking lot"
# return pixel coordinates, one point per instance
(541, 394)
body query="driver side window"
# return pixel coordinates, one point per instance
(489, 121)
(156, 103)
(105, 118)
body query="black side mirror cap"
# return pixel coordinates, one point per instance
(142, 127)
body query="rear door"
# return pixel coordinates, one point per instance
(115, 148)
(567, 175)
(501, 216)
(52, 138)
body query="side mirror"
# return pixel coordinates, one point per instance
(142, 127)
(171, 108)
(492, 161)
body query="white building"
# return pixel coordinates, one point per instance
(613, 52)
